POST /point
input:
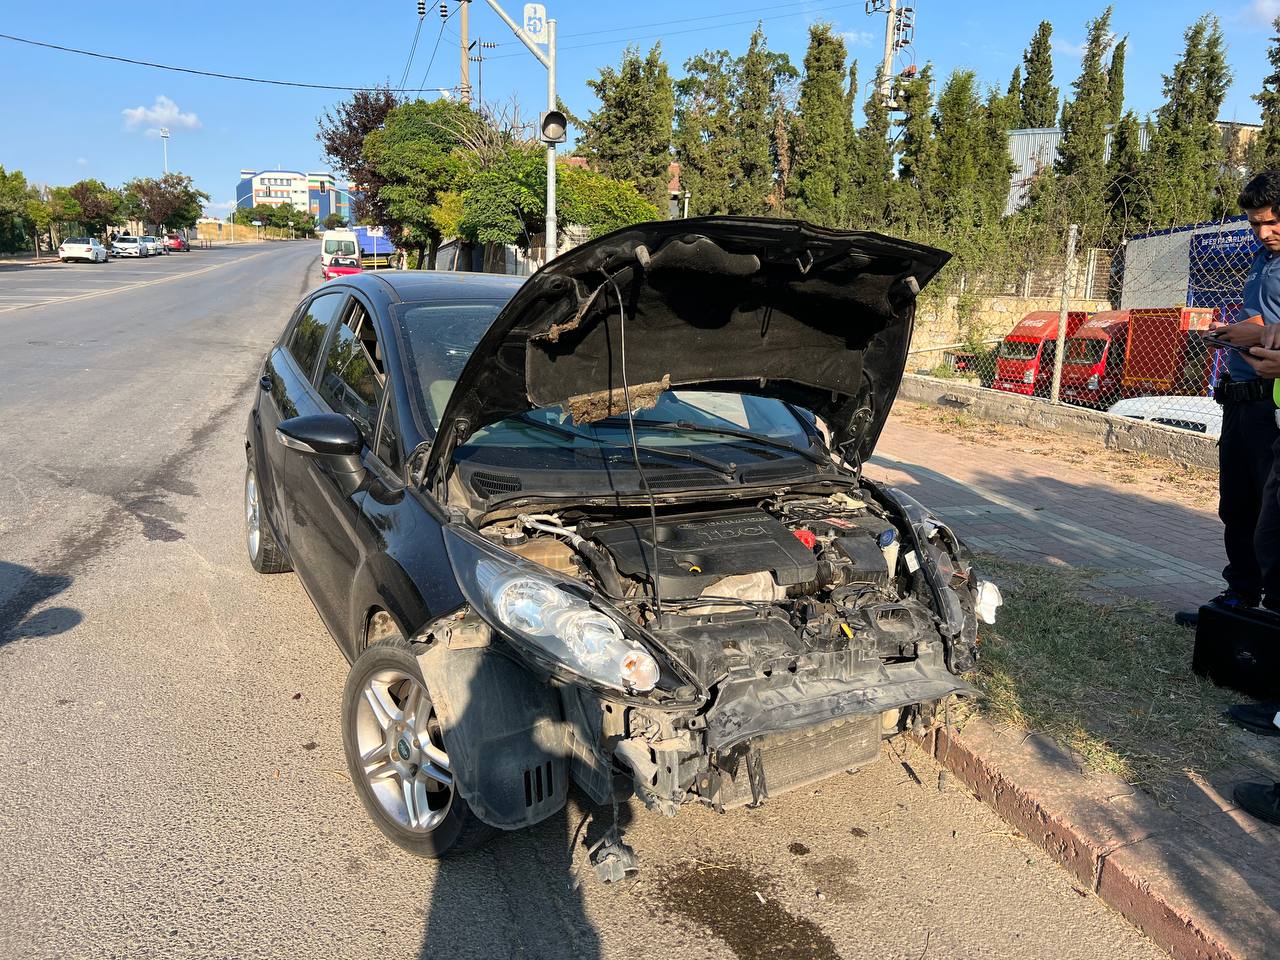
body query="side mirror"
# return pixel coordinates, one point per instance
(332, 438)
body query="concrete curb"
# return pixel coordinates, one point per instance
(1199, 894)
(1117, 433)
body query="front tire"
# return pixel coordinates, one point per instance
(265, 554)
(395, 751)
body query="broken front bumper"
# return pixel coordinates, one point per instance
(766, 735)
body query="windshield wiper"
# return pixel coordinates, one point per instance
(685, 426)
(728, 470)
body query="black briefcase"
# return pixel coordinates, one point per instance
(1240, 649)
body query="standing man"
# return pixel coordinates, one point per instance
(1248, 413)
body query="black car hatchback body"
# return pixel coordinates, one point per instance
(609, 524)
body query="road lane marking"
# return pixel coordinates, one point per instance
(133, 286)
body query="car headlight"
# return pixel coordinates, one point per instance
(546, 619)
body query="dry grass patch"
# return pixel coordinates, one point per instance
(1108, 677)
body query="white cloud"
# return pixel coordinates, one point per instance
(81, 162)
(226, 206)
(1265, 10)
(163, 113)
(861, 38)
(1066, 48)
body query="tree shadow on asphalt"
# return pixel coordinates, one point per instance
(21, 591)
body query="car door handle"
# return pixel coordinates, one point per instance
(265, 382)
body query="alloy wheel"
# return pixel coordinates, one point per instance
(401, 750)
(252, 514)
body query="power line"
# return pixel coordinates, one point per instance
(412, 50)
(219, 76)
(670, 33)
(435, 49)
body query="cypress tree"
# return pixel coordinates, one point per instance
(914, 196)
(705, 142)
(753, 126)
(960, 139)
(1039, 95)
(1013, 99)
(871, 178)
(851, 146)
(629, 136)
(1187, 150)
(820, 151)
(1264, 152)
(1115, 80)
(1127, 192)
(1085, 120)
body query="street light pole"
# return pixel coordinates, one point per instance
(164, 138)
(548, 60)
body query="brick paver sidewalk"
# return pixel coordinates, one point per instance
(1032, 508)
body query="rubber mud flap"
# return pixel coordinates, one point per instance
(504, 732)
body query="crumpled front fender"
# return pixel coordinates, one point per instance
(504, 731)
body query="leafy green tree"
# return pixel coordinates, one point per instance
(13, 207)
(753, 129)
(170, 201)
(629, 136)
(1115, 79)
(1188, 179)
(600, 203)
(506, 200)
(705, 143)
(960, 139)
(1264, 152)
(1039, 95)
(264, 213)
(995, 166)
(99, 205)
(821, 155)
(414, 158)
(335, 221)
(342, 134)
(1085, 120)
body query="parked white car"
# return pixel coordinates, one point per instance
(153, 245)
(129, 247)
(1198, 414)
(82, 248)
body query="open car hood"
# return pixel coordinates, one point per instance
(777, 308)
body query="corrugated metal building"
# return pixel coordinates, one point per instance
(1035, 148)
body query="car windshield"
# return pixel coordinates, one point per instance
(1018, 349)
(1085, 350)
(344, 247)
(344, 262)
(684, 430)
(76, 240)
(148, 239)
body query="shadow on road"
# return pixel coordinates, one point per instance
(21, 591)
(519, 896)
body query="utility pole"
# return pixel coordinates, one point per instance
(478, 60)
(464, 84)
(1068, 282)
(899, 31)
(552, 124)
(164, 138)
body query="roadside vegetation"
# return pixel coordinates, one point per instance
(1107, 676)
(31, 213)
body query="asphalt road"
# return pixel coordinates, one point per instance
(169, 746)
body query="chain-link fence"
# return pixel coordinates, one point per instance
(1100, 311)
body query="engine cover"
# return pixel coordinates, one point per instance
(696, 550)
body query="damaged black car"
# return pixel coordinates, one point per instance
(609, 525)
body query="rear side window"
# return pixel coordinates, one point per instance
(308, 335)
(353, 380)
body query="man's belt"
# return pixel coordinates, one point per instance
(1242, 391)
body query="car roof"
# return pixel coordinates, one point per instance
(1166, 404)
(411, 285)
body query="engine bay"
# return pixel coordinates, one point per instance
(820, 586)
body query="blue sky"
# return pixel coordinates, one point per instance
(66, 117)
